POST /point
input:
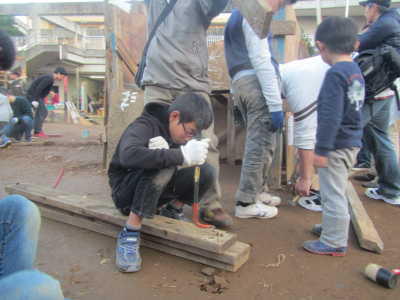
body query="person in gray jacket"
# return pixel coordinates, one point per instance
(177, 62)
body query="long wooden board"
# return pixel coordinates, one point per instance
(212, 240)
(367, 235)
(230, 260)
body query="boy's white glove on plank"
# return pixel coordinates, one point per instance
(195, 152)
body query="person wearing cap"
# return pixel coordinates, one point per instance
(37, 91)
(16, 84)
(383, 30)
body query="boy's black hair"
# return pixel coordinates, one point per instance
(193, 108)
(339, 34)
(7, 51)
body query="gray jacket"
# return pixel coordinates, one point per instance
(177, 57)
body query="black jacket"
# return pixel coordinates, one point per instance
(21, 107)
(384, 31)
(132, 151)
(40, 87)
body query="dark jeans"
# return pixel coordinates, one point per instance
(143, 191)
(376, 119)
(364, 156)
(40, 115)
(23, 127)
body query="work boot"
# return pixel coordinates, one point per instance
(170, 211)
(215, 215)
(127, 255)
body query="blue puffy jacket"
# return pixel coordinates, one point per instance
(384, 31)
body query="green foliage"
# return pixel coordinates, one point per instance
(7, 23)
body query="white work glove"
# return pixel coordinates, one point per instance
(158, 142)
(195, 152)
(35, 104)
(14, 120)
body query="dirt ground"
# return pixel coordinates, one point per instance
(83, 261)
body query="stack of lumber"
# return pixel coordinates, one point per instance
(213, 247)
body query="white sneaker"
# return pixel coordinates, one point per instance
(374, 194)
(268, 199)
(256, 210)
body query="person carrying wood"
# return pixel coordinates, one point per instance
(176, 63)
(37, 91)
(255, 86)
(339, 132)
(153, 168)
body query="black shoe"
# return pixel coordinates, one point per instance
(364, 177)
(172, 212)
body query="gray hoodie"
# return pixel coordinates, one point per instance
(177, 57)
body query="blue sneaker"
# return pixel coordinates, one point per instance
(4, 142)
(127, 254)
(318, 247)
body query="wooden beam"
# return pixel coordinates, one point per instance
(212, 240)
(283, 27)
(230, 133)
(230, 260)
(367, 235)
(274, 177)
(258, 14)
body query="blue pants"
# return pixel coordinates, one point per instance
(376, 119)
(23, 127)
(19, 232)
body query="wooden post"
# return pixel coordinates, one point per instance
(230, 133)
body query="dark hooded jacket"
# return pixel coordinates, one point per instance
(132, 151)
(384, 31)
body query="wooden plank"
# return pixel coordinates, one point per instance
(231, 260)
(258, 13)
(367, 235)
(275, 173)
(283, 27)
(212, 240)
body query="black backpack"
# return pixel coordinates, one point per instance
(380, 68)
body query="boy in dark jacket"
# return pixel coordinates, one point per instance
(21, 123)
(339, 132)
(36, 93)
(144, 175)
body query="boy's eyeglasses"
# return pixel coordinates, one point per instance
(189, 133)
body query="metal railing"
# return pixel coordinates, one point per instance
(49, 37)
